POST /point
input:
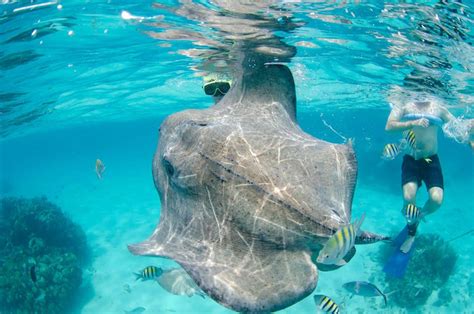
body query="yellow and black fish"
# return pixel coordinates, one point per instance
(411, 212)
(339, 244)
(326, 304)
(390, 151)
(410, 138)
(149, 272)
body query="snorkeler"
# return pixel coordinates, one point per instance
(421, 163)
(216, 85)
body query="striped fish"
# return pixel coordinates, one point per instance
(411, 212)
(149, 272)
(326, 304)
(410, 138)
(339, 244)
(390, 151)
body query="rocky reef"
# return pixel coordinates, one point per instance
(432, 263)
(42, 253)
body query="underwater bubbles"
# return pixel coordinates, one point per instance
(458, 129)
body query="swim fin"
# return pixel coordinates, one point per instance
(398, 261)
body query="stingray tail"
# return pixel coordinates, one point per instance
(366, 237)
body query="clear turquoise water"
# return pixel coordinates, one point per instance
(102, 92)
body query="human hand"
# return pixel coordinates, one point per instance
(423, 122)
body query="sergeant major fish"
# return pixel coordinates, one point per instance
(149, 272)
(326, 304)
(390, 151)
(339, 244)
(410, 138)
(412, 212)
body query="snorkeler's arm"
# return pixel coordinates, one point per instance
(446, 116)
(394, 123)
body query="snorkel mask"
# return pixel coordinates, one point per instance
(216, 85)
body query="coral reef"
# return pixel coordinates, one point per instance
(42, 254)
(430, 267)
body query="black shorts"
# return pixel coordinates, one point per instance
(424, 169)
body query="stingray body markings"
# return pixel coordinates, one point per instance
(326, 230)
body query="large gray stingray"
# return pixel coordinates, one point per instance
(248, 197)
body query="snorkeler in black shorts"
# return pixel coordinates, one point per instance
(423, 118)
(426, 170)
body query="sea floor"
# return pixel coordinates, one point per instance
(114, 214)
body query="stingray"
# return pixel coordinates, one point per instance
(248, 198)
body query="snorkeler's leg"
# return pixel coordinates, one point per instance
(409, 192)
(411, 181)
(433, 178)
(434, 201)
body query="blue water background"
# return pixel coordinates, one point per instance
(103, 92)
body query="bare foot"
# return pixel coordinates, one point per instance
(406, 246)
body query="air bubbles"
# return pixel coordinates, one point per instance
(60, 6)
(34, 33)
(106, 31)
(70, 33)
(458, 129)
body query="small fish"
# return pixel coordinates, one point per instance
(33, 273)
(390, 151)
(339, 244)
(410, 138)
(326, 304)
(136, 310)
(126, 287)
(428, 160)
(365, 289)
(178, 282)
(99, 168)
(411, 212)
(149, 272)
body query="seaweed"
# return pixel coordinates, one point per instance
(42, 256)
(432, 263)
